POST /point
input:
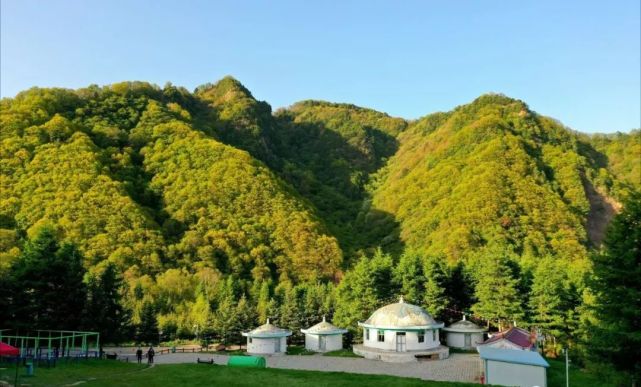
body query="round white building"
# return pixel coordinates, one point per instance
(401, 332)
(267, 339)
(464, 335)
(324, 337)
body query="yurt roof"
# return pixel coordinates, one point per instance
(268, 330)
(464, 326)
(401, 315)
(324, 328)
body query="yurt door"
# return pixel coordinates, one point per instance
(468, 340)
(401, 345)
(321, 343)
(277, 345)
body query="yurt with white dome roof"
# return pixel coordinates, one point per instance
(401, 332)
(324, 337)
(267, 339)
(464, 334)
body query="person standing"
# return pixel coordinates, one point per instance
(139, 355)
(150, 355)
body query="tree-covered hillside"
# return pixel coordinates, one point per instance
(491, 172)
(126, 173)
(619, 153)
(208, 213)
(327, 152)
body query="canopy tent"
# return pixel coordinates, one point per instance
(8, 350)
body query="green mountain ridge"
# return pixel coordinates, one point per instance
(200, 198)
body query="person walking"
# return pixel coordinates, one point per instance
(150, 355)
(139, 355)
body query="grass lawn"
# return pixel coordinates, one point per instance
(342, 353)
(113, 373)
(298, 350)
(578, 377)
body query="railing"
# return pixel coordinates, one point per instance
(162, 351)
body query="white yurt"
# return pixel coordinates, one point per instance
(464, 334)
(267, 339)
(401, 332)
(324, 337)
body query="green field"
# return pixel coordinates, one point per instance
(578, 377)
(113, 373)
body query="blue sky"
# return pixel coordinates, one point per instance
(577, 61)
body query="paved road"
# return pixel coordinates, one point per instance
(457, 368)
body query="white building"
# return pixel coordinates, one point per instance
(267, 339)
(324, 337)
(401, 332)
(464, 334)
(513, 367)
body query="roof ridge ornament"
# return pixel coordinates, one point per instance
(267, 321)
(401, 300)
(323, 318)
(464, 317)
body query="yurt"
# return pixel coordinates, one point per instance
(267, 339)
(464, 334)
(401, 332)
(323, 337)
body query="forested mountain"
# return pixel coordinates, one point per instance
(214, 213)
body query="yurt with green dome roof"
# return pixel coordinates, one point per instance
(401, 332)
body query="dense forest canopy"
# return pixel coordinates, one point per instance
(209, 213)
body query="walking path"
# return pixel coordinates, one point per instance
(456, 368)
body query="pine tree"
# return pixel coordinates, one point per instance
(147, 330)
(459, 288)
(245, 317)
(363, 289)
(616, 336)
(266, 304)
(48, 284)
(104, 312)
(497, 298)
(409, 275)
(225, 321)
(291, 310)
(546, 303)
(434, 299)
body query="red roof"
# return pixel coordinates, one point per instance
(515, 335)
(7, 350)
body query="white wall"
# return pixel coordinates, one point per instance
(510, 374)
(457, 339)
(411, 340)
(267, 345)
(332, 342)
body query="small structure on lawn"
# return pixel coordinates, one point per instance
(464, 334)
(513, 338)
(324, 337)
(512, 367)
(401, 332)
(267, 339)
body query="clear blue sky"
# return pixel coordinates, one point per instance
(577, 61)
